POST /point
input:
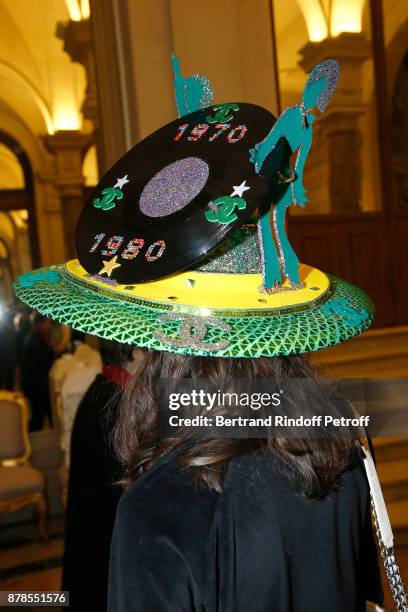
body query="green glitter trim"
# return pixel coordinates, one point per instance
(249, 336)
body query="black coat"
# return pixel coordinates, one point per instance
(37, 359)
(257, 547)
(92, 498)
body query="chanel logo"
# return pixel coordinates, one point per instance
(192, 331)
(351, 316)
(222, 209)
(110, 194)
(31, 279)
(223, 113)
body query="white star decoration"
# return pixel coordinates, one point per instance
(121, 181)
(239, 189)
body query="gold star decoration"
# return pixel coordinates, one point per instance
(109, 266)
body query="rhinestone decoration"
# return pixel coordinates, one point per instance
(328, 70)
(261, 247)
(192, 93)
(238, 254)
(193, 331)
(207, 93)
(278, 241)
(174, 187)
(104, 279)
(279, 288)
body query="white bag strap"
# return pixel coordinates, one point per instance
(384, 525)
(385, 535)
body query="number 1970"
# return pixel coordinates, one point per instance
(221, 129)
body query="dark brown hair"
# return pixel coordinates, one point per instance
(315, 463)
(115, 353)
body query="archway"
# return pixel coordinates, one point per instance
(6, 273)
(20, 197)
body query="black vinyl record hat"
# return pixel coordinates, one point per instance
(171, 201)
(175, 196)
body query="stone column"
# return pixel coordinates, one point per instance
(49, 210)
(230, 42)
(77, 37)
(78, 45)
(110, 27)
(69, 147)
(334, 174)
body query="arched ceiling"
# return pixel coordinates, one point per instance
(37, 78)
(40, 83)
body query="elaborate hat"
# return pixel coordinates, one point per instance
(182, 246)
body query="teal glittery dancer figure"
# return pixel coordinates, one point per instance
(192, 93)
(295, 126)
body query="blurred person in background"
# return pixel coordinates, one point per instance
(22, 328)
(92, 493)
(7, 349)
(60, 339)
(36, 360)
(70, 378)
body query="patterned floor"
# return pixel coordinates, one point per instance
(29, 565)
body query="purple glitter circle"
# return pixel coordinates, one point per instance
(174, 187)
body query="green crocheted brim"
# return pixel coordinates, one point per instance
(344, 312)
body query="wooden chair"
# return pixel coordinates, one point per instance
(63, 472)
(20, 483)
